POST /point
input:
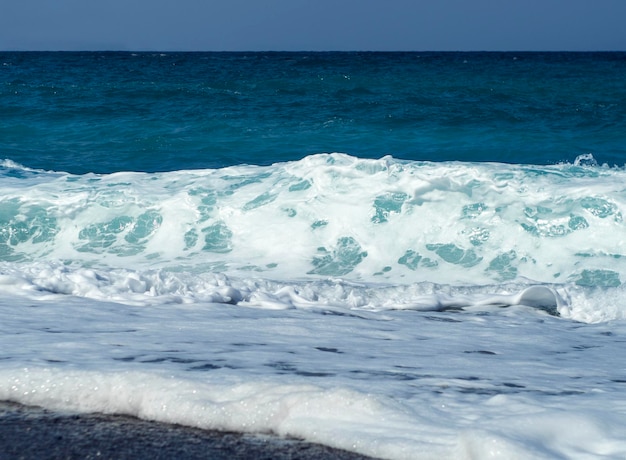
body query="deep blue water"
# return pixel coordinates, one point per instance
(104, 112)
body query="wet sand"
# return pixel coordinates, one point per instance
(34, 433)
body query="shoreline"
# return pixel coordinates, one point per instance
(28, 432)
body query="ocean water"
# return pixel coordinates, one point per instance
(406, 255)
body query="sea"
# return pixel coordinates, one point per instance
(404, 255)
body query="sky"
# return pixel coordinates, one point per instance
(314, 25)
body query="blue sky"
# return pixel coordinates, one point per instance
(239, 25)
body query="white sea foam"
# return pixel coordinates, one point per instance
(160, 287)
(507, 427)
(332, 215)
(396, 386)
(398, 309)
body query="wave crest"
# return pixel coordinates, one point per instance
(331, 215)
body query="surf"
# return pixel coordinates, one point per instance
(327, 231)
(329, 215)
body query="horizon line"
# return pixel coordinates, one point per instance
(121, 50)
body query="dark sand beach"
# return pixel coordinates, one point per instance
(34, 433)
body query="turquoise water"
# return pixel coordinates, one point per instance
(105, 112)
(406, 255)
(507, 166)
